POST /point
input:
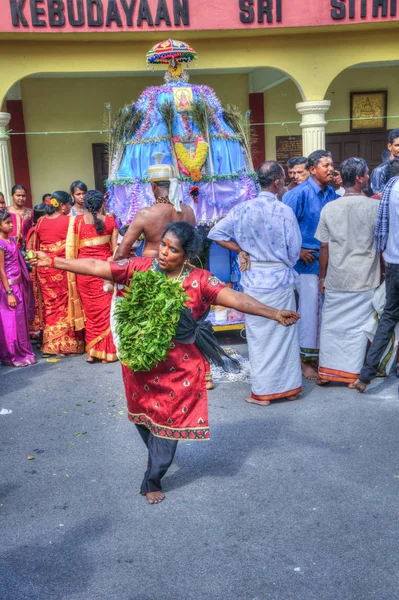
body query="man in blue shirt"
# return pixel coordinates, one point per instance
(307, 200)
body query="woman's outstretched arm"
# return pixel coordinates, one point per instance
(246, 304)
(82, 266)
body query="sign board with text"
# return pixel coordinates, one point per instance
(288, 146)
(187, 15)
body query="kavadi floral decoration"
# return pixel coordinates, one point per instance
(191, 165)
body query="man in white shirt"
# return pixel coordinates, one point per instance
(386, 238)
(266, 231)
(349, 275)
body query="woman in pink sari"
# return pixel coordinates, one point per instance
(16, 300)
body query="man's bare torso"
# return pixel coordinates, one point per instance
(152, 222)
(158, 217)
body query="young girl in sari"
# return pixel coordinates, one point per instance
(95, 236)
(78, 191)
(21, 215)
(16, 300)
(60, 333)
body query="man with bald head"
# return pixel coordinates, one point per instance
(265, 233)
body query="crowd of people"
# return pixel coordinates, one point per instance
(324, 246)
(336, 252)
(63, 313)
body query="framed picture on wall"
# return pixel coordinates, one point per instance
(369, 111)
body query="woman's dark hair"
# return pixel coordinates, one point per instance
(4, 215)
(61, 197)
(93, 203)
(18, 187)
(39, 210)
(188, 236)
(77, 185)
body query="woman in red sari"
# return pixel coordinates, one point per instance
(59, 336)
(95, 236)
(169, 403)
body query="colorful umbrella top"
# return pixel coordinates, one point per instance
(170, 51)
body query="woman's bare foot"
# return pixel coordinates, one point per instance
(309, 371)
(251, 400)
(322, 382)
(154, 497)
(90, 359)
(360, 386)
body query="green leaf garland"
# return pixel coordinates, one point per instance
(146, 319)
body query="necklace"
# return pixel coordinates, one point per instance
(181, 272)
(162, 200)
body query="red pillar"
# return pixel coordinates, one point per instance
(257, 108)
(18, 147)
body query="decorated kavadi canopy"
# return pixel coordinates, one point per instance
(208, 146)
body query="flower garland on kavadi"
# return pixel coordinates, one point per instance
(191, 165)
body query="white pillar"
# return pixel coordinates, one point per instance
(5, 172)
(313, 124)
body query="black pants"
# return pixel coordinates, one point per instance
(386, 326)
(160, 456)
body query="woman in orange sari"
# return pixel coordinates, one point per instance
(95, 236)
(59, 336)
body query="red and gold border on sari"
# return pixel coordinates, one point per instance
(76, 315)
(171, 433)
(100, 354)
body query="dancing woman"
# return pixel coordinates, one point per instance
(59, 336)
(95, 236)
(169, 403)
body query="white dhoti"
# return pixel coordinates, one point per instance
(343, 339)
(273, 349)
(310, 304)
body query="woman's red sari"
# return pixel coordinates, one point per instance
(171, 399)
(96, 302)
(59, 336)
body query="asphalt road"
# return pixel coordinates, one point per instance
(298, 500)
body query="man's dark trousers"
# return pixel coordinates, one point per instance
(386, 326)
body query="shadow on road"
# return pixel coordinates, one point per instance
(53, 570)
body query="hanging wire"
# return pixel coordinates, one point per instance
(282, 123)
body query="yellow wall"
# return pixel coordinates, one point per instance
(280, 102)
(280, 107)
(358, 80)
(78, 104)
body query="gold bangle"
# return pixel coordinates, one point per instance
(278, 316)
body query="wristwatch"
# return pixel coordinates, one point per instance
(9, 292)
